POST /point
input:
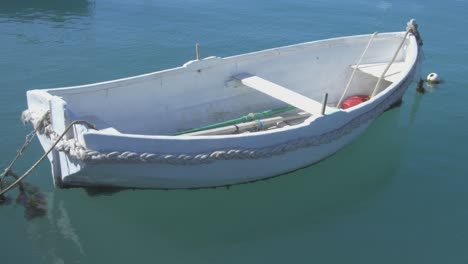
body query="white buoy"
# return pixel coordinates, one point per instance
(432, 78)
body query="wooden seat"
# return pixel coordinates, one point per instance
(376, 69)
(281, 93)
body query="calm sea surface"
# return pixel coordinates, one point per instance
(398, 194)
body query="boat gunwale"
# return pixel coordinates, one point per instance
(117, 83)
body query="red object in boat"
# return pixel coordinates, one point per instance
(353, 101)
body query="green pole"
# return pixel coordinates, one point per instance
(246, 118)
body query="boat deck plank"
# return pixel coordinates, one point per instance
(376, 69)
(281, 93)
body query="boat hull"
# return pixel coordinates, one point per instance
(220, 172)
(109, 158)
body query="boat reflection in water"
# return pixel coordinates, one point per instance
(167, 222)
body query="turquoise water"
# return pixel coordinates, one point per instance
(396, 195)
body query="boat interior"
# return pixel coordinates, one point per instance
(246, 93)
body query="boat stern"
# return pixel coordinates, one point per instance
(47, 113)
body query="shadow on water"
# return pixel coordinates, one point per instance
(46, 9)
(165, 222)
(100, 191)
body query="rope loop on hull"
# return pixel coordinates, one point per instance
(9, 172)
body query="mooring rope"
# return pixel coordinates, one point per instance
(20, 178)
(29, 138)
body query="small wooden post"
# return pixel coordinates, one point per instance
(324, 103)
(197, 51)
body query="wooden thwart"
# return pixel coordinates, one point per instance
(376, 69)
(279, 92)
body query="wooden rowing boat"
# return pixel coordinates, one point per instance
(222, 121)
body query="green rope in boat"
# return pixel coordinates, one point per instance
(246, 118)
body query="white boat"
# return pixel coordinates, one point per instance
(144, 136)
